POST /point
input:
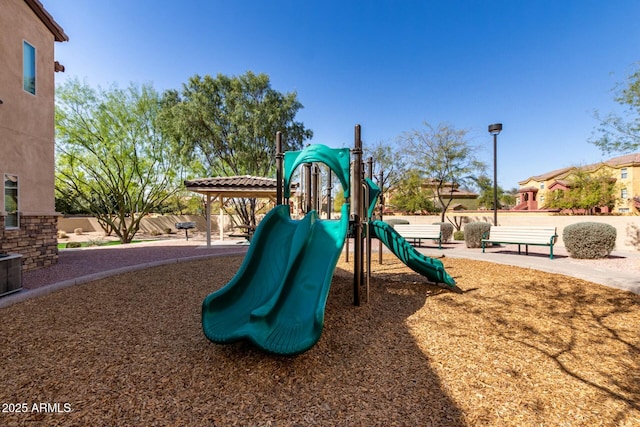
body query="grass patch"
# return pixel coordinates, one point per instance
(88, 244)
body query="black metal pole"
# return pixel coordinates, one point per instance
(495, 179)
(380, 181)
(307, 187)
(279, 162)
(369, 219)
(329, 188)
(315, 185)
(357, 201)
(494, 130)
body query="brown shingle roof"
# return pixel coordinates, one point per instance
(628, 159)
(548, 175)
(235, 186)
(236, 182)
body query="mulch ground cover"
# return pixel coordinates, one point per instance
(514, 347)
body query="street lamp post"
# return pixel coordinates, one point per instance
(494, 130)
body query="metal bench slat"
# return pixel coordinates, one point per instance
(518, 235)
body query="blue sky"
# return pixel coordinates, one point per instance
(541, 67)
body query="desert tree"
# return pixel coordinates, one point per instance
(620, 133)
(111, 158)
(444, 156)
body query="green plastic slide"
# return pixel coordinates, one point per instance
(225, 311)
(278, 297)
(431, 268)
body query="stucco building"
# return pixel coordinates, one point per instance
(28, 221)
(535, 191)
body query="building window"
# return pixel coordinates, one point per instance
(623, 193)
(29, 68)
(11, 201)
(623, 210)
(623, 173)
(542, 185)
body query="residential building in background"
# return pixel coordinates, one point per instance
(28, 221)
(535, 191)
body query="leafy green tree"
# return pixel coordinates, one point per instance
(111, 158)
(390, 161)
(621, 134)
(485, 199)
(411, 197)
(228, 125)
(586, 192)
(444, 155)
(508, 198)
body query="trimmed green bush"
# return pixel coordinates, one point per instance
(446, 229)
(473, 232)
(73, 245)
(589, 240)
(458, 235)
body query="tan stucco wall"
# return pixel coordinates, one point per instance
(147, 225)
(27, 121)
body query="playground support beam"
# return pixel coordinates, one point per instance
(315, 188)
(279, 167)
(356, 198)
(329, 189)
(307, 188)
(369, 219)
(381, 199)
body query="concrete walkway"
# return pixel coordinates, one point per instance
(621, 270)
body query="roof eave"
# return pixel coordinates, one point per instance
(47, 20)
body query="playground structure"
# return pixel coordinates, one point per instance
(277, 298)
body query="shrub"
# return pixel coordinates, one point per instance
(167, 230)
(458, 235)
(446, 229)
(73, 245)
(77, 231)
(473, 232)
(589, 240)
(62, 235)
(155, 232)
(95, 242)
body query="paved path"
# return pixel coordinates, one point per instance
(621, 270)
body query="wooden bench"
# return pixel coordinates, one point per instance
(536, 236)
(417, 232)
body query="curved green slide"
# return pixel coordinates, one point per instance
(278, 296)
(431, 268)
(225, 311)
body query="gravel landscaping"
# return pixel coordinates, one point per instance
(515, 347)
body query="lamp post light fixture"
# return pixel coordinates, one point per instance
(494, 130)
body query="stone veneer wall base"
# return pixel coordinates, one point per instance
(36, 240)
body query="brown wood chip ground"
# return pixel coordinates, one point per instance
(517, 347)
